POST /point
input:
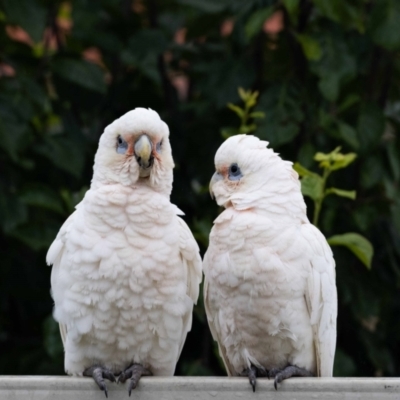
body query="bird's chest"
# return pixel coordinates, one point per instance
(258, 264)
(257, 282)
(133, 260)
(257, 272)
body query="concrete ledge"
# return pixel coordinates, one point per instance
(199, 388)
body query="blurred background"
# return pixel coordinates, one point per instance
(328, 75)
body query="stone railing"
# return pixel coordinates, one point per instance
(199, 388)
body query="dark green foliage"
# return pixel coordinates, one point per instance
(330, 77)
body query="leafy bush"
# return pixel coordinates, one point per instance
(328, 74)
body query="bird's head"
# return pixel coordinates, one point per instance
(135, 149)
(248, 174)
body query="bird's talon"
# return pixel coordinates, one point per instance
(134, 372)
(251, 373)
(288, 372)
(99, 374)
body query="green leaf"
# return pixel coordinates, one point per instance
(252, 99)
(335, 160)
(384, 23)
(243, 94)
(292, 7)
(36, 236)
(144, 50)
(350, 100)
(356, 243)
(219, 80)
(257, 114)
(82, 73)
(311, 186)
(28, 14)
(239, 112)
(256, 21)
(282, 105)
(337, 65)
(248, 128)
(13, 137)
(63, 152)
(372, 171)
(370, 126)
(326, 157)
(350, 194)
(329, 86)
(42, 197)
(348, 134)
(302, 171)
(306, 154)
(343, 12)
(311, 48)
(326, 120)
(343, 160)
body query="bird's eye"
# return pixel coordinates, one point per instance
(122, 146)
(158, 146)
(234, 172)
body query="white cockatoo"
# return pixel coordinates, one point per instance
(270, 292)
(126, 269)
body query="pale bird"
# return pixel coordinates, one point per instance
(126, 269)
(270, 292)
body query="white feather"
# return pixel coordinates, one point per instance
(126, 269)
(270, 292)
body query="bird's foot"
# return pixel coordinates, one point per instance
(134, 372)
(252, 374)
(99, 373)
(287, 372)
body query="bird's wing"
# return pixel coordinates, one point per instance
(190, 256)
(321, 298)
(54, 257)
(213, 321)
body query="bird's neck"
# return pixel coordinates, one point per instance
(283, 206)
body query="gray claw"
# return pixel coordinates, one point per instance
(134, 372)
(288, 372)
(253, 377)
(98, 374)
(252, 373)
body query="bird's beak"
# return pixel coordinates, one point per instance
(215, 178)
(144, 152)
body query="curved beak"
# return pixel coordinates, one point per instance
(215, 178)
(144, 152)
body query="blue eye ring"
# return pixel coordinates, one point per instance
(234, 173)
(158, 146)
(122, 145)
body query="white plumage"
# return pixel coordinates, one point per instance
(270, 292)
(126, 269)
